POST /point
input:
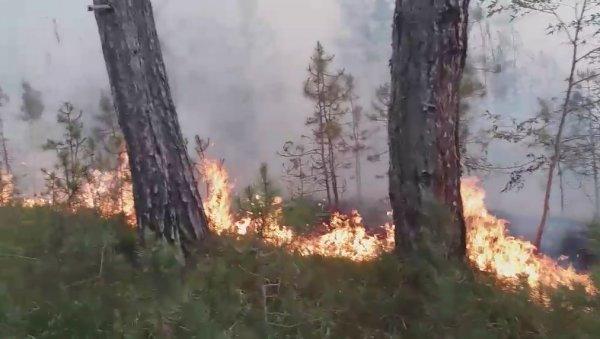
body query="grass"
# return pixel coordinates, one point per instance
(82, 277)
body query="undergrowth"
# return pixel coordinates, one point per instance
(82, 277)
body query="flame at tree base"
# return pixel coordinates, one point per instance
(489, 246)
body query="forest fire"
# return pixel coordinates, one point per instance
(489, 246)
(491, 249)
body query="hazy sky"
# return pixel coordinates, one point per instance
(238, 78)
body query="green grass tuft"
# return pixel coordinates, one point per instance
(82, 277)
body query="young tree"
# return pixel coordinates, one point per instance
(4, 99)
(298, 170)
(33, 104)
(32, 110)
(74, 155)
(580, 153)
(6, 176)
(326, 144)
(358, 134)
(327, 91)
(429, 45)
(164, 185)
(579, 32)
(107, 134)
(259, 202)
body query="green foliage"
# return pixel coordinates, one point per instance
(74, 154)
(107, 134)
(258, 200)
(33, 104)
(81, 277)
(329, 92)
(301, 215)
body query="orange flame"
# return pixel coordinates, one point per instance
(491, 249)
(110, 193)
(489, 246)
(7, 187)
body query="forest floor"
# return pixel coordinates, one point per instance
(78, 276)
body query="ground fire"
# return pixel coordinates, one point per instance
(489, 246)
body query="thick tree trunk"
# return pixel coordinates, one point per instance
(164, 186)
(429, 51)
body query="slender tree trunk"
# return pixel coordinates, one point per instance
(595, 175)
(164, 186)
(561, 185)
(596, 185)
(563, 118)
(358, 175)
(356, 151)
(5, 156)
(334, 184)
(32, 171)
(321, 140)
(429, 51)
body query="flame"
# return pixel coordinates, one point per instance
(217, 205)
(489, 246)
(7, 188)
(109, 192)
(345, 237)
(491, 249)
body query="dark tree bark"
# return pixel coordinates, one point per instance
(164, 186)
(429, 51)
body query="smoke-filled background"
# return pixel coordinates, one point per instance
(237, 67)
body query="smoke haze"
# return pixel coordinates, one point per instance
(236, 69)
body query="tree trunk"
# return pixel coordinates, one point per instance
(561, 185)
(595, 176)
(164, 186)
(554, 161)
(333, 174)
(5, 157)
(429, 51)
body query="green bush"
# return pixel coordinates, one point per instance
(82, 277)
(301, 215)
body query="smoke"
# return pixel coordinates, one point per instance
(236, 69)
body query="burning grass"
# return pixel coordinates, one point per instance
(489, 246)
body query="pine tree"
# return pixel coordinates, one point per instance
(429, 52)
(358, 134)
(4, 99)
(32, 110)
(550, 127)
(327, 90)
(165, 189)
(74, 155)
(107, 134)
(6, 175)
